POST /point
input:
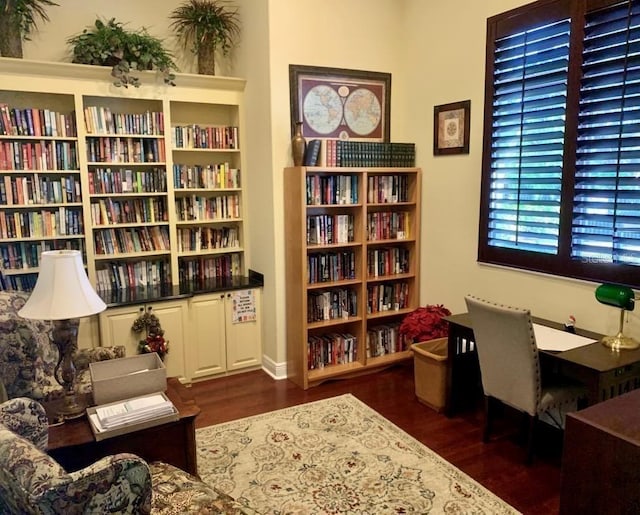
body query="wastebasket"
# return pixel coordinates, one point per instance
(430, 372)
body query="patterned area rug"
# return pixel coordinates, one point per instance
(334, 456)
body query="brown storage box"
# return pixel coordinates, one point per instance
(430, 372)
(123, 378)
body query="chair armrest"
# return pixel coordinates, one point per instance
(83, 357)
(27, 418)
(119, 483)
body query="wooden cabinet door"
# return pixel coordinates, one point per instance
(206, 355)
(244, 338)
(115, 329)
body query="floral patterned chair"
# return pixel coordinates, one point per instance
(28, 357)
(32, 482)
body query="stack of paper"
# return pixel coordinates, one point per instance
(132, 411)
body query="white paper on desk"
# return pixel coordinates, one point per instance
(134, 410)
(551, 339)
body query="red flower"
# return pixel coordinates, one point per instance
(425, 323)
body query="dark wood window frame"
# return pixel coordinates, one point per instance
(560, 263)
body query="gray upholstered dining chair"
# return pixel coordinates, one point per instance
(510, 368)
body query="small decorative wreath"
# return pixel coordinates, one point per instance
(154, 340)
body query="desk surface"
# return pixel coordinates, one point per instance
(594, 356)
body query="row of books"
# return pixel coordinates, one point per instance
(382, 189)
(331, 266)
(101, 120)
(36, 122)
(125, 180)
(349, 153)
(118, 275)
(197, 208)
(139, 210)
(384, 339)
(196, 136)
(202, 269)
(195, 239)
(37, 191)
(331, 189)
(387, 225)
(331, 304)
(131, 239)
(329, 229)
(41, 224)
(38, 155)
(331, 349)
(213, 176)
(18, 282)
(382, 262)
(387, 297)
(26, 255)
(125, 150)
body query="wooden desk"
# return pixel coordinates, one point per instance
(601, 453)
(73, 445)
(604, 372)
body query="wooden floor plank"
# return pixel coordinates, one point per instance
(498, 465)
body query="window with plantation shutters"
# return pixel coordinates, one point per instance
(529, 104)
(561, 160)
(606, 211)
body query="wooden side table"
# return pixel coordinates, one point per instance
(601, 453)
(73, 445)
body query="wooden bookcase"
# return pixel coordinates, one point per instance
(352, 264)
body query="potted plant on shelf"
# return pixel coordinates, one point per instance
(18, 18)
(109, 44)
(205, 27)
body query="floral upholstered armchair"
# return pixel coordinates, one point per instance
(32, 482)
(28, 357)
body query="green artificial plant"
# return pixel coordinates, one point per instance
(205, 27)
(18, 19)
(109, 44)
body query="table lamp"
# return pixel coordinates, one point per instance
(63, 294)
(621, 297)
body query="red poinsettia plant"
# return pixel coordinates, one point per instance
(425, 323)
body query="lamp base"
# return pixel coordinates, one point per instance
(620, 342)
(71, 408)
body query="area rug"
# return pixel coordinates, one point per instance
(334, 456)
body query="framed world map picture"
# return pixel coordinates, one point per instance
(334, 103)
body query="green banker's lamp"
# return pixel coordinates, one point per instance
(621, 297)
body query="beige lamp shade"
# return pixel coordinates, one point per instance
(63, 290)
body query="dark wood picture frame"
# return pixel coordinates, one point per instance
(451, 124)
(369, 92)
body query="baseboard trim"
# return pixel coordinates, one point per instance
(276, 370)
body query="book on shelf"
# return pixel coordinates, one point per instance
(312, 153)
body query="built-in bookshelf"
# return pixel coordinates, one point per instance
(128, 191)
(41, 202)
(352, 265)
(207, 178)
(147, 182)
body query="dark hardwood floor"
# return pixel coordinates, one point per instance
(498, 465)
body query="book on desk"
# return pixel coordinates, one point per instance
(126, 416)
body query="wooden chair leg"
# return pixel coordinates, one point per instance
(530, 438)
(487, 418)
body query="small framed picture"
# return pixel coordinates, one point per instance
(451, 123)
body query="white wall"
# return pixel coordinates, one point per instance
(435, 52)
